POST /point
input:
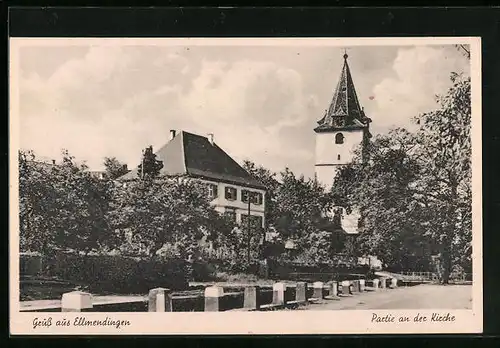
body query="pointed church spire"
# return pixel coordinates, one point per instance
(344, 110)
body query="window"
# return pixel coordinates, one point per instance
(339, 138)
(212, 191)
(257, 198)
(230, 193)
(338, 157)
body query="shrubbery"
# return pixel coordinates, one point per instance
(117, 274)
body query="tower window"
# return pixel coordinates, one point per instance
(339, 138)
(338, 157)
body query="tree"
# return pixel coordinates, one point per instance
(37, 202)
(301, 207)
(464, 49)
(114, 168)
(445, 153)
(296, 208)
(62, 207)
(174, 211)
(268, 179)
(82, 206)
(381, 189)
(414, 191)
(150, 167)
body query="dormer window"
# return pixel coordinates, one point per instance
(339, 138)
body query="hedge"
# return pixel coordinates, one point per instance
(114, 274)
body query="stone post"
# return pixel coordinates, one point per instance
(279, 293)
(301, 292)
(76, 301)
(160, 300)
(375, 283)
(361, 285)
(383, 283)
(394, 283)
(252, 298)
(333, 289)
(318, 290)
(355, 286)
(213, 295)
(346, 287)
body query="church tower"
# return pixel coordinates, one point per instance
(343, 127)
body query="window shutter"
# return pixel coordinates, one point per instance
(244, 196)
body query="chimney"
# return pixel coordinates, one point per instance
(172, 134)
(53, 161)
(211, 138)
(125, 167)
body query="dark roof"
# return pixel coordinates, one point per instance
(194, 155)
(344, 111)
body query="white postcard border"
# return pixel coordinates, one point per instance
(283, 322)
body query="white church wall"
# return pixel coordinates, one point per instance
(329, 155)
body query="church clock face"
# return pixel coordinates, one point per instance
(339, 122)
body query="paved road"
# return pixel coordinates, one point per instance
(423, 296)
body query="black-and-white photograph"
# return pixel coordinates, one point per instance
(195, 176)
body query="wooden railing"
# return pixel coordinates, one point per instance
(419, 276)
(433, 277)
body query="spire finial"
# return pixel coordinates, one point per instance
(345, 54)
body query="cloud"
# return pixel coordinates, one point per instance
(99, 106)
(247, 104)
(114, 101)
(419, 74)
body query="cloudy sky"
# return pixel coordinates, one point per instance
(261, 103)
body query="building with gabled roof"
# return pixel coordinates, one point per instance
(228, 184)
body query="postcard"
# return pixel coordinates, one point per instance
(245, 186)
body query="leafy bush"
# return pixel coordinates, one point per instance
(118, 274)
(203, 271)
(30, 265)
